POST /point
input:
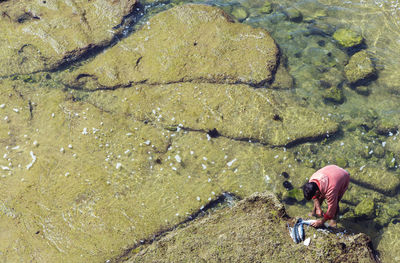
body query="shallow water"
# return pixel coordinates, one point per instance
(305, 45)
(310, 52)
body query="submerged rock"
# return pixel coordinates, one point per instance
(294, 15)
(360, 68)
(389, 245)
(365, 209)
(188, 43)
(240, 13)
(347, 38)
(374, 178)
(172, 49)
(334, 94)
(230, 109)
(254, 230)
(40, 35)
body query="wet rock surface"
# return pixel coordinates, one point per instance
(347, 38)
(235, 111)
(253, 230)
(40, 35)
(359, 68)
(97, 165)
(188, 43)
(170, 49)
(375, 178)
(390, 242)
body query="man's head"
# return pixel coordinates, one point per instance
(309, 190)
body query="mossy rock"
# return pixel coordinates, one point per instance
(106, 162)
(240, 13)
(297, 194)
(365, 209)
(356, 193)
(360, 68)
(266, 8)
(389, 245)
(390, 160)
(377, 179)
(187, 43)
(363, 90)
(342, 162)
(385, 126)
(230, 109)
(250, 229)
(347, 38)
(41, 35)
(334, 94)
(294, 15)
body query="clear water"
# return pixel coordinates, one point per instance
(310, 52)
(305, 45)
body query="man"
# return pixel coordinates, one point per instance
(328, 183)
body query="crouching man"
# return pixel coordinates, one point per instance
(328, 183)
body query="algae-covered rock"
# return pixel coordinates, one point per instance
(246, 233)
(296, 193)
(235, 111)
(363, 90)
(40, 35)
(334, 94)
(266, 8)
(342, 162)
(390, 160)
(387, 212)
(389, 245)
(365, 209)
(386, 126)
(347, 37)
(360, 68)
(374, 178)
(72, 167)
(356, 194)
(282, 79)
(240, 13)
(294, 15)
(187, 43)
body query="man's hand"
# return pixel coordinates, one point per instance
(318, 223)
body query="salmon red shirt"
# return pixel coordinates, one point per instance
(332, 182)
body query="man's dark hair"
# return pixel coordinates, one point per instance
(309, 190)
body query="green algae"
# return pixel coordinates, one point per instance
(334, 144)
(99, 169)
(42, 35)
(243, 229)
(239, 13)
(294, 15)
(390, 243)
(188, 43)
(377, 179)
(359, 68)
(227, 108)
(334, 94)
(347, 38)
(365, 209)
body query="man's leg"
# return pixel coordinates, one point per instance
(333, 222)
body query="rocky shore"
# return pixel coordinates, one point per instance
(254, 230)
(106, 143)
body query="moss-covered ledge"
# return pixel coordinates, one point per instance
(254, 230)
